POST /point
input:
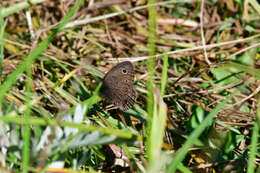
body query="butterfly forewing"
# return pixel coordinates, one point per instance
(118, 85)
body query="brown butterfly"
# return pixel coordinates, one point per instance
(118, 85)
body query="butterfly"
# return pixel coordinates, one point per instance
(118, 85)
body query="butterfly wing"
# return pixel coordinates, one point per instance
(126, 98)
(118, 85)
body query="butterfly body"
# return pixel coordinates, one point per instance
(118, 85)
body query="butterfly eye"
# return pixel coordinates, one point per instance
(124, 71)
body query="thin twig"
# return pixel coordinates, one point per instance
(202, 33)
(106, 16)
(94, 19)
(243, 50)
(29, 20)
(248, 97)
(210, 46)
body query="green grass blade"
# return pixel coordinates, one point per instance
(151, 71)
(253, 149)
(36, 52)
(254, 142)
(255, 5)
(195, 134)
(26, 131)
(245, 68)
(42, 122)
(18, 7)
(158, 127)
(164, 74)
(2, 28)
(183, 169)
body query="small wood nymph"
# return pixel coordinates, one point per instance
(118, 85)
